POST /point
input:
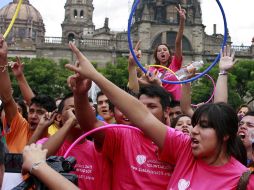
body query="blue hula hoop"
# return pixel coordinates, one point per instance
(134, 7)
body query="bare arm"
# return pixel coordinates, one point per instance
(26, 91)
(179, 36)
(10, 106)
(226, 63)
(83, 111)
(34, 154)
(185, 101)
(141, 117)
(133, 78)
(55, 141)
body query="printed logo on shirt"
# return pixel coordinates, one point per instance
(141, 159)
(183, 184)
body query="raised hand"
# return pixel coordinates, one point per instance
(150, 78)
(227, 59)
(17, 68)
(79, 85)
(181, 12)
(138, 54)
(47, 119)
(69, 115)
(84, 66)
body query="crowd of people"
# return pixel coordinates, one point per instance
(169, 145)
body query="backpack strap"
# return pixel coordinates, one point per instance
(244, 179)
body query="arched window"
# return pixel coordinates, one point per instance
(71, 37)
(82, 14)
(75, 13)
(171, 37)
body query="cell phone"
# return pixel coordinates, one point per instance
(13, 162)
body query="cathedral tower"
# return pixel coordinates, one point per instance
(78, 20)
(157, 21)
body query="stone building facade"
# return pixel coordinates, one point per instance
(154, 21)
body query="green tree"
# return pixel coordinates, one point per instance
(44, 76)
(117, 73)
(240, 83)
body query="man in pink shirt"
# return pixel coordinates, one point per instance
(90, 166)
(132, 156)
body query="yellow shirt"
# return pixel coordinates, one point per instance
(53, 128)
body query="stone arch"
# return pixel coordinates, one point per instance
(169, 37)
(71, 37)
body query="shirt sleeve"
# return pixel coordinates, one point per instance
(18, 124)
(176, 145)
(176, 63)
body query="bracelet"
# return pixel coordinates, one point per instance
(9, 64)
(35, 165)
(223, 72)
(4, 67)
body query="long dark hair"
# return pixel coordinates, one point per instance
(155, 54)
(223, 119)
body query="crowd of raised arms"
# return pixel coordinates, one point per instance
(172, 145)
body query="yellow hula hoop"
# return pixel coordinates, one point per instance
(13, 19)
(164, 68)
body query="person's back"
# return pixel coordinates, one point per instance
(134, 161)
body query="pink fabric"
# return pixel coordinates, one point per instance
(42, 141)
(91, 168)
(250, 185)
(191, 173)
(134, 161)
(174, 89)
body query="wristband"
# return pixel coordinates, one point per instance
(36, 165)
(223, 72)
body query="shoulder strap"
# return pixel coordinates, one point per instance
(244, 179)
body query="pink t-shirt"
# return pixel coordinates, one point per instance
(174, 89)
(191, 173)
(250, 185)
(91, 168)
(134, 160)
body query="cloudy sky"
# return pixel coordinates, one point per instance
(239, 15)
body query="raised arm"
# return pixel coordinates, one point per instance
(83, 110)
(133, 78)
(34, 161)
(10, 106)
(130, 106)
(55, 141)
(42, 128)
(179, 36)
(185, 101)
(26, 91)
(225, 64)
